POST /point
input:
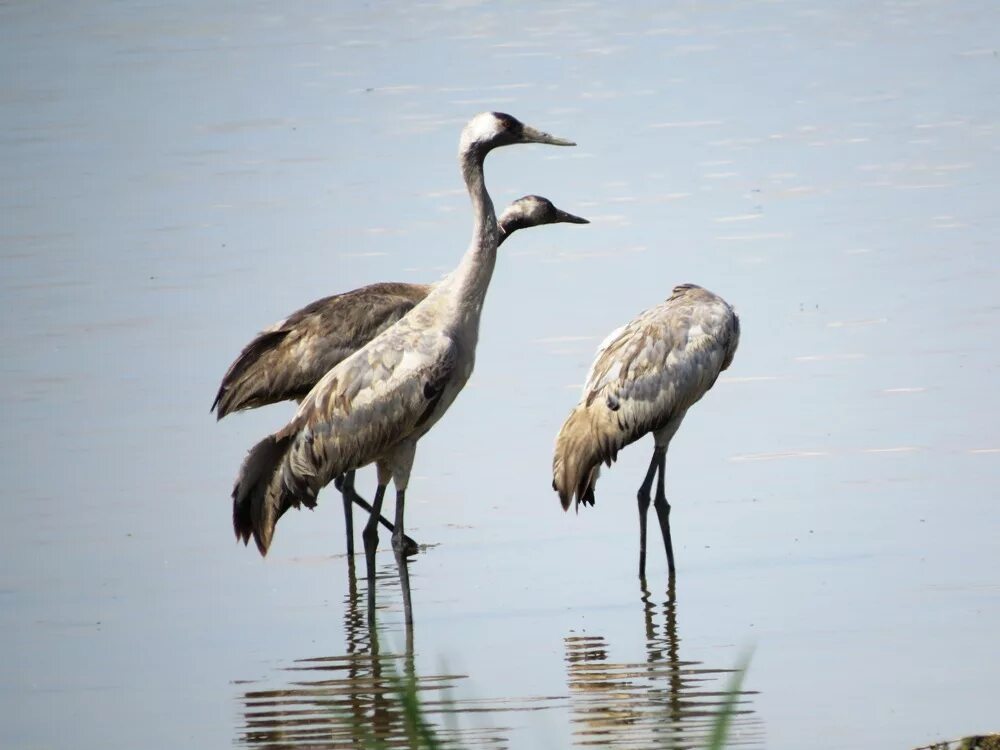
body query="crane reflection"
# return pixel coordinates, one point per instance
(663, 702)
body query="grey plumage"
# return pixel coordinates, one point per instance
(645, 377)
(376, 404)
(285, 361)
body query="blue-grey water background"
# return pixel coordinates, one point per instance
(176, 176)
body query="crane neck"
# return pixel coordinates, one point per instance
(472, 277)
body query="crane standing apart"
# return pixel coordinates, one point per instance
(284, 362)
(645, 377)
(376, 404)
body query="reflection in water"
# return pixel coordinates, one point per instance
(332, 701)
(663, 702)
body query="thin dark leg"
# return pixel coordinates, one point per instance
(398, 537)
(643, 497)
(370, 538)
(346, 491)
(370, 534)
(346, 486)
(663, 511)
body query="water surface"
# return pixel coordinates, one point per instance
(175, 177)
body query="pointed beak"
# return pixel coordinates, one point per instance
(531, 135)
(563, 216)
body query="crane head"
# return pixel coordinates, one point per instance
(533, 211)
(489, 130)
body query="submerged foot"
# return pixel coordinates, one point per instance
(405, 546)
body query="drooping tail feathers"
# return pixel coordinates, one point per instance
(583, 443)
(259, 497)
(248, 383)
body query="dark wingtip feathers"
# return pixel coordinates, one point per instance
(240, 387)
(254, 512)
(217, 407)
(572, 460)
(242, 521)
(565, 499)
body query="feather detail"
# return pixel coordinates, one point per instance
(644, 378)
(256, 503)
(582, 445)
(285, 361)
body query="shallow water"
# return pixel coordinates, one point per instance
(320, 701)
(175, 177)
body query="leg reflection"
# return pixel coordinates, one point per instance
(355, 697)
(402, 564)
(370, 577)
(662, 702)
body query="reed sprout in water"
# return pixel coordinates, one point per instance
(423, 737)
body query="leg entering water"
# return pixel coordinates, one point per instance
(663, 512)
(370, 535)
(643, 497)
(346, 485)
(399, 539)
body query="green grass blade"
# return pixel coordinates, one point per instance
(723, 719)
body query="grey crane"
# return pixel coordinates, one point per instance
(375, 405)
(645, 377)
(284, 361)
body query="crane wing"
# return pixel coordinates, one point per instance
(645, 376)
(654, 368)
(287, 359)
(373, 400)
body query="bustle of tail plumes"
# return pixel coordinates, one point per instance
(582, 445)
(247, 384)
(258, 500)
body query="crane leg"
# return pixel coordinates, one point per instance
(370, 534)
(663, 507)
(346, 487)
(643, 497)
(401, 543)
(345, 484)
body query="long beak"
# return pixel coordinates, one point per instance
(531, 135)
(563, 216)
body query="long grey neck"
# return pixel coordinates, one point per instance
(472, 277)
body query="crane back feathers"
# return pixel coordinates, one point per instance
(646, 375)
(361, 411)
(286, 360)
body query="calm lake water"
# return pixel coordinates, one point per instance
(174, 177)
